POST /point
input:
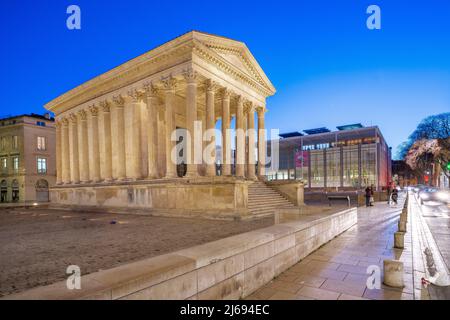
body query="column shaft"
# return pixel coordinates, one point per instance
(191, 116)
(226, 137)
(105, 143)
(152, 132)
(240, 138)
(210, 126)
(83, 146)
(65, 153)
(118, 134)
(171, 169)
(73, 142)
(132, 137)
(251, 143)
(58, 152)
(94, 152)
(261, 143)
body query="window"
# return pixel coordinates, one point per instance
(368, 163)
(15, 161)
(41, 143)
(40, 123)
(15, 142)
(41, 165)
(351, 166)
(317, 169)
(4, 165)
(334, 167)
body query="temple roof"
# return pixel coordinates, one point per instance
(226, 55)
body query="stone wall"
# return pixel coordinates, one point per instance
(230, 268)
(292, 190)
(220, 196)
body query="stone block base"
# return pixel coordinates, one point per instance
(222, 197)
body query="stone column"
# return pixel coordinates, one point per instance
(210, 125)
(105, 142)
(133, 136)
(73, 142)
(58, 125)
(191, 116)
(83, 146)
(226, 137)
(201, 115)
(240, 138)
(65, 153)
(94, 152)
(261, 143)
(152, 130)
(251, 142)
(118, 134)
(169, 87)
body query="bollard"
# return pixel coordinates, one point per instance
(399, 240)
(393, 273)
(404, 217)
(401, 226)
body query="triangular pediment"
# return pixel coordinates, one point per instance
(238, 55)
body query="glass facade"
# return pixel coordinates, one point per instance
(351, 166)
(333, 165)
(368, 165)
(350, 159)
(317, 169)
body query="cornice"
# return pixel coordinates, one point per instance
(222, 64)
(158, 60)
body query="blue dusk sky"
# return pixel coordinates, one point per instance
(328, 68)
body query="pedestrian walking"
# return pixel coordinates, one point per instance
(394, 196)
(367, 194)
(372, 199)
(388, 190)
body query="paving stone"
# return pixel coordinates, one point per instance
(309, 280)
(317, 293)
(350, 288)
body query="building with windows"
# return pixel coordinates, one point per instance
(350, 158)
(27, 158)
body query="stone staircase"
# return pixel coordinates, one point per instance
(263, 200)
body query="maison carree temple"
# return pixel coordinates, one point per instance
(115, 132)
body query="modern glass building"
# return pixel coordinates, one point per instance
(350, 158)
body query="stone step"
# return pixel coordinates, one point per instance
(263, 193)
(264, 201)
(269, 202)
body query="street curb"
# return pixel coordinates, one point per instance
(427, 259)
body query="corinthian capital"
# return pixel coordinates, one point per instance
(190, 75)
(119, 100)
(94, 110)
(225, 93)
(211, 85)
(104, 104)
(239, 100)
(82, 114)
(64, 121)
(150, 89)
(73, 118)
(169, 83)
(134, 95)
(261, 110)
